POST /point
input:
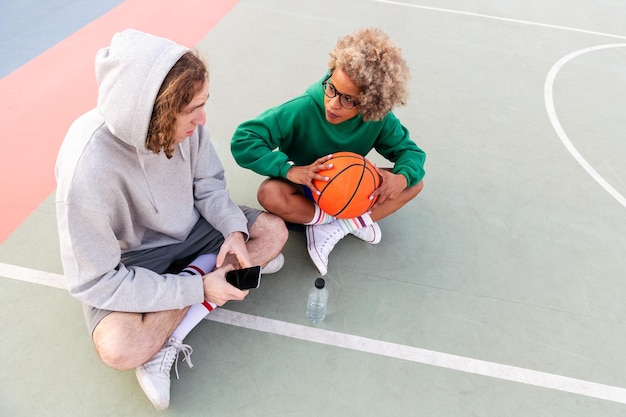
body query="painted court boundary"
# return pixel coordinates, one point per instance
(374, 346)
(558, 128)
(502, 19)
(549, 84)
(378, 347)
(61, 80)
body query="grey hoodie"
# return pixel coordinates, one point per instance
(115, 196)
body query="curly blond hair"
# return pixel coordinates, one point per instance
(180, 86)
(375, 64)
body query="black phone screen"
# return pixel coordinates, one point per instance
(245, 278)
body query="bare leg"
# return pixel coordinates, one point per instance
(268, 235)
(391, 206)
(286, 200)
(127, 340)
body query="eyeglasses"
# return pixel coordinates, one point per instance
(346, 101)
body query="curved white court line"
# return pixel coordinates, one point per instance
(503, 19)
(548, 88)
(549, 99)
(374, 346)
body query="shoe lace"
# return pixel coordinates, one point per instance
(363, 231)
(173, 354)
(333, 238)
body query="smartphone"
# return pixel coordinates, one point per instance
(245, 278)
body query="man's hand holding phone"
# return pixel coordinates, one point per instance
(217, 290)
(245, 278)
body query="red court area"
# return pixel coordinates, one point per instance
(40, 100)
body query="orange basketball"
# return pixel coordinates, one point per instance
(352, 179)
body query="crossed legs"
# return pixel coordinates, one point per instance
(287, 201)
(127, 340)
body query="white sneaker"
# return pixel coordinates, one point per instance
(321, 239)
(370, 234)
(274, 265)
(154, 375)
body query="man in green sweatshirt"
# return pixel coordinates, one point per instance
(349, 109)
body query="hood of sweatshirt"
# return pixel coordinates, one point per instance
(126, 102)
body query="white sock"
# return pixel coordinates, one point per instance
(195, 315)
(320, 217)
(350, 225)
(202, 265)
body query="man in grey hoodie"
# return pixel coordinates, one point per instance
(141, 193)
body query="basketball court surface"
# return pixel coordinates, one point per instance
(499, 291)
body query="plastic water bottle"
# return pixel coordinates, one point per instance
(317, 301)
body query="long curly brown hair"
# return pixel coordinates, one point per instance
(180, 86)
(375, 64)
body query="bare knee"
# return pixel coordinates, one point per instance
(121, 351)
(115, 358)
(266, 195)
(392, 205)
(415, 190)
(271, 232)
(273, 194)
(112, 354)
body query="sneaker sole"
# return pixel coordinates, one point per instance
(149, 388)
(309, 236)
(377, 236)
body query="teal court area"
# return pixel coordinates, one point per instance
(499, 291)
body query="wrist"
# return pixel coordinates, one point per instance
(282, 172)
(238, 235)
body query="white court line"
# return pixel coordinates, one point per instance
(403, 352)
(548, 88)
(423, 356)
(373, 346)
(503, 19)
(549, 99)
(32, 276)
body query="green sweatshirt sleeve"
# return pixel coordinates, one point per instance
(255, 146)
(395, 144)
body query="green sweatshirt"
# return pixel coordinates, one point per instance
(297, 132)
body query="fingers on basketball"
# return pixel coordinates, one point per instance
(352, 180)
